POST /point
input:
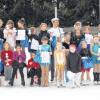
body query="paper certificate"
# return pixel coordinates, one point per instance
(45, 57)
(35, 44)
(99, 53)
(21, 35)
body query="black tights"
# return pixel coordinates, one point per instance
(17, 66)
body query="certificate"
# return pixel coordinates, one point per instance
(35, 44)
(45, 57)
(21, 35)
(99, 53)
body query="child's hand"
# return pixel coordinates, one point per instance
(20, 61)
(9, 60)
(6, 61)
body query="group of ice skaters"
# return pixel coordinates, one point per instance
(50, 56)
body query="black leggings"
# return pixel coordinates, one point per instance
(17, 66)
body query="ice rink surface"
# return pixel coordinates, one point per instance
(50, 93)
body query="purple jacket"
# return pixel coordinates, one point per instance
(20, 58)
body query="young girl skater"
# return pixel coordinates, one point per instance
(85, 54)
(22, 37)
(7, 58)
(45, 52)
(59, 55)
(34, 70)
(95, 50)
(18, 64)
(43, 32)
(9, 33)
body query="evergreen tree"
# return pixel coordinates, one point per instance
(37, 11)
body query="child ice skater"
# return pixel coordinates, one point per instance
(59, 55)
(74, 67)
(43, 32)
(7, 58)
(95, 50)
(18, 64)
(34, 70)
(85, 55)
(45, 52)
(9, 33)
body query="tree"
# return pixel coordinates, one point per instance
(37, 11)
